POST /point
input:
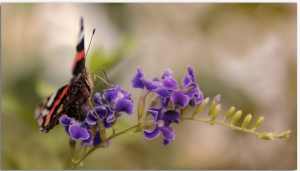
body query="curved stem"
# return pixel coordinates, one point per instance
(224, 124)
(99, 145)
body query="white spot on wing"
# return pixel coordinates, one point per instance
(45, 112)
(80, 37)
(51, 100)
(40, 121)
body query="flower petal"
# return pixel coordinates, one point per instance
(89, 140)
(98, 98)
(192, 102)
(151, 134)
(65, 120)
(200, 98)
(162, 92)
(170, 83)
(156, 112)
(191, 73)
(167, 73)
(166, 142)
(67, 130)
(155, 79)
(171, 115)
(111, 95)
(149, 85)
(166, 133)
(180, 99)
(195, 95)
(107, 124)
(97, 139)
(123, 105)
(110, 116)
(90, 119)
(101, 111)
(164, 102)
(135, 81)
(186, 80)
(78, 133)
(123, 93)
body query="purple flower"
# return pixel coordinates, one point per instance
(139, 81)
(169, 90)
(97, 140)
(189, 78)
(195, 95)
(76, 130)
(167, 73)
(136, 82)
(162, 124)
(104, 112)
(121, 99)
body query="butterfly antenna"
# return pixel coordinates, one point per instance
(90, 42)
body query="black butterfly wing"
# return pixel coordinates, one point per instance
(69, 99)
(79, 63)
(46, 114)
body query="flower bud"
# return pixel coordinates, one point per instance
(236, 117)
(201, 106)
(214, 103)
(266, 136)
(246, 120)
(94, 130)
(284, 134)
(144, 125)
(229, 113)
(152, 103)
(216, 112)
(217, 98)
(258, 123)
(83, 150)
(170, 105)
(72, 147)
(182, 111)
(102, 130)
(141, 107)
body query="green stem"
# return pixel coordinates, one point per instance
(222, 123)
(99, 145)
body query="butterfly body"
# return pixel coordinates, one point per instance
(71, 99)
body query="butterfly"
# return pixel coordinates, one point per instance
(71, 99)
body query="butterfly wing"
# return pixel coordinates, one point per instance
(46, 114)
(79, 62)
(69, 99)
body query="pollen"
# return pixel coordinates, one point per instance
(120, 95)
(160, 123)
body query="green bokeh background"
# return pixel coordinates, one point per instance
(246, 52)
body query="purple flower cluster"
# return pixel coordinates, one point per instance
(119, 102)
(168, 89)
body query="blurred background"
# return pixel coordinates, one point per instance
(245, 52)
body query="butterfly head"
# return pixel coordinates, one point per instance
(85, 74)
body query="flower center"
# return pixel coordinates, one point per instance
(160, 123)
(120, 95)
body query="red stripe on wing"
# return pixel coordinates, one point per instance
(78, 58)
(57, 102)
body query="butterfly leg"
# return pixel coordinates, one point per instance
(102, 80)
(100, 124)
(77, 108)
